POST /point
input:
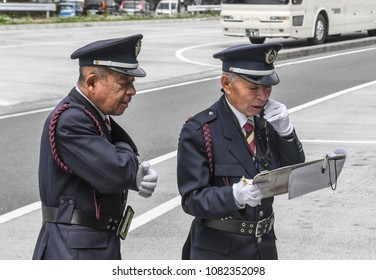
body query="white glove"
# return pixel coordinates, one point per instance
(248, 194)
(146, 179)
(277, 115)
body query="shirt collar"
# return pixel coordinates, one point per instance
(242, 119)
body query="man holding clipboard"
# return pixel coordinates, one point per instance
(221, 150)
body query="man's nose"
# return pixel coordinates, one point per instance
(131, 90)
(263, 93)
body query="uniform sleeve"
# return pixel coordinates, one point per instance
(199, 198)
(110, 168)
(290, 150)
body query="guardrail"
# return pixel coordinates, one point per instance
(28, 7)
(203, 8)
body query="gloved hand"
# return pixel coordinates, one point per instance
(248, 193)
(277, 115)
(146, 179)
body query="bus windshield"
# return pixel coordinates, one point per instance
(257, 2)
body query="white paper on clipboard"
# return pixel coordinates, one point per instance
(302, 178)
(310, 178)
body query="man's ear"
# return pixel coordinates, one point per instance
(226, 83)
(91, 81)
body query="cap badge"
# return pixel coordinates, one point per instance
(137, 48)
(270, 55)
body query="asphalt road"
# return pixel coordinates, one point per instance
(39, 73)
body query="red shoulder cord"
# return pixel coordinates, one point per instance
(209, 149)
(59, 162)
(208, 146)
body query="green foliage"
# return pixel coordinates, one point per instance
(4, 19)
(41, 19)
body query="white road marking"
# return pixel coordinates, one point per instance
(154, 213)
(179, 55)
(350, 142)
(20, 212)
(331, 96)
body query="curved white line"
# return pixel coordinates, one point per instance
(179, 54)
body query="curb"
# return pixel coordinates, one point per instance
(327, 47)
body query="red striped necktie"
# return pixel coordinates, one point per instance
(108, 123)
(250, 136)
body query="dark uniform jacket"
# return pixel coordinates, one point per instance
(101, 170)
(210, 197)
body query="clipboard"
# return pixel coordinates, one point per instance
(300, 179)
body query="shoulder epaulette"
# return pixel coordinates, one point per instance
(202, 118)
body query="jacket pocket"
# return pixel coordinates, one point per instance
(87, 238)
(211, 240)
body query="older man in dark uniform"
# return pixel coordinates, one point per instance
(87, 161)
(223, 147)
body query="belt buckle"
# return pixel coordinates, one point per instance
(269, 220)
(257, 234)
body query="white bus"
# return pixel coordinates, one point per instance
(311, 19)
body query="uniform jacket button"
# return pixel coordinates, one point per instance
(261, 213)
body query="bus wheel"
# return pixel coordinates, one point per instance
(257, 40)
(321, 31)
(371, 32)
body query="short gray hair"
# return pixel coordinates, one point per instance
(232, 76)
(101, 72)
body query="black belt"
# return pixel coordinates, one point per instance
(256, 229)
(107, 223)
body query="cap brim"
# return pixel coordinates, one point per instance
(269, 80)
(138, 72)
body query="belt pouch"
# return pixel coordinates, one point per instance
(125, 222)
(65, 210)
